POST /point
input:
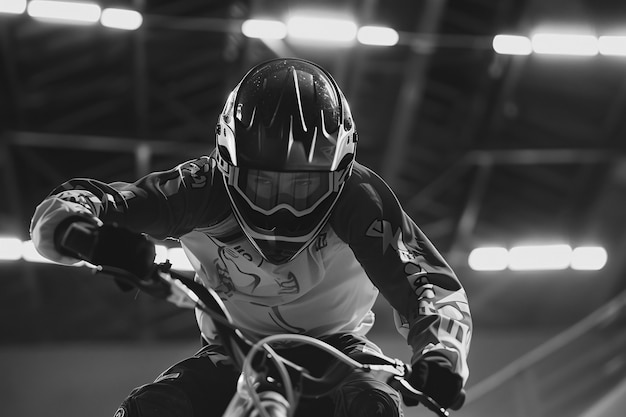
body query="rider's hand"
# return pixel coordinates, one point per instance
(123, 249)
(432, 375)
(106, 245)
(48, 215)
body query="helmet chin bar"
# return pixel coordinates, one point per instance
(275, 250)
(268, 241)
(279, 255)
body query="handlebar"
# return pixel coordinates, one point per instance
(160, 281)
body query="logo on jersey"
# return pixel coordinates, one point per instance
(393, 239)
(410, 248)
(243, 278)
(83, 197)
(197, 171)
(288, 285)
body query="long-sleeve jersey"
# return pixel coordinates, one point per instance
(369, 246)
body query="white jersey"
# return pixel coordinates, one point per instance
(322, 291)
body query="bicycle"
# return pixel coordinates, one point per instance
(269, 385)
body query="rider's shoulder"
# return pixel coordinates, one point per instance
(365, 185)
(365, 193)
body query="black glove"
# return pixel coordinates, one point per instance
(107, 245)
(431, 374)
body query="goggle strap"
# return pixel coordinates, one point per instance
(227, 170)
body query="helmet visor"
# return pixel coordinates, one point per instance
(269, 191)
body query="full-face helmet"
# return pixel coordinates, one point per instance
(285, 143)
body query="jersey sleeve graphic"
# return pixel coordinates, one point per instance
(430, 305)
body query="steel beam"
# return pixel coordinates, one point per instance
(411, 91)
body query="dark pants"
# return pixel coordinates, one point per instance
(203, 385)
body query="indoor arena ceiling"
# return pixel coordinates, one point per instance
(480, 148)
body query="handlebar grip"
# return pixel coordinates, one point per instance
(107, 245)
(459, 401)
(76, 237)
(416, 397)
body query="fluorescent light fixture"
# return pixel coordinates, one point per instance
(564, 44)
(612, 45)
(121, 19)
(10, 249)
(30, 254)
(540, 257)
(63, 11)
(14, 249)
(264, 29)
(12, 6)
(178, 259)
(175, 255)
(512, 45)
(488, 259)
(321, 29)
(377, 35)
(161, 253)
(589, 258)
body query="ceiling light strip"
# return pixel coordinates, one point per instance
(538, 258)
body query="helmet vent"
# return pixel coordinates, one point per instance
(296, 86)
